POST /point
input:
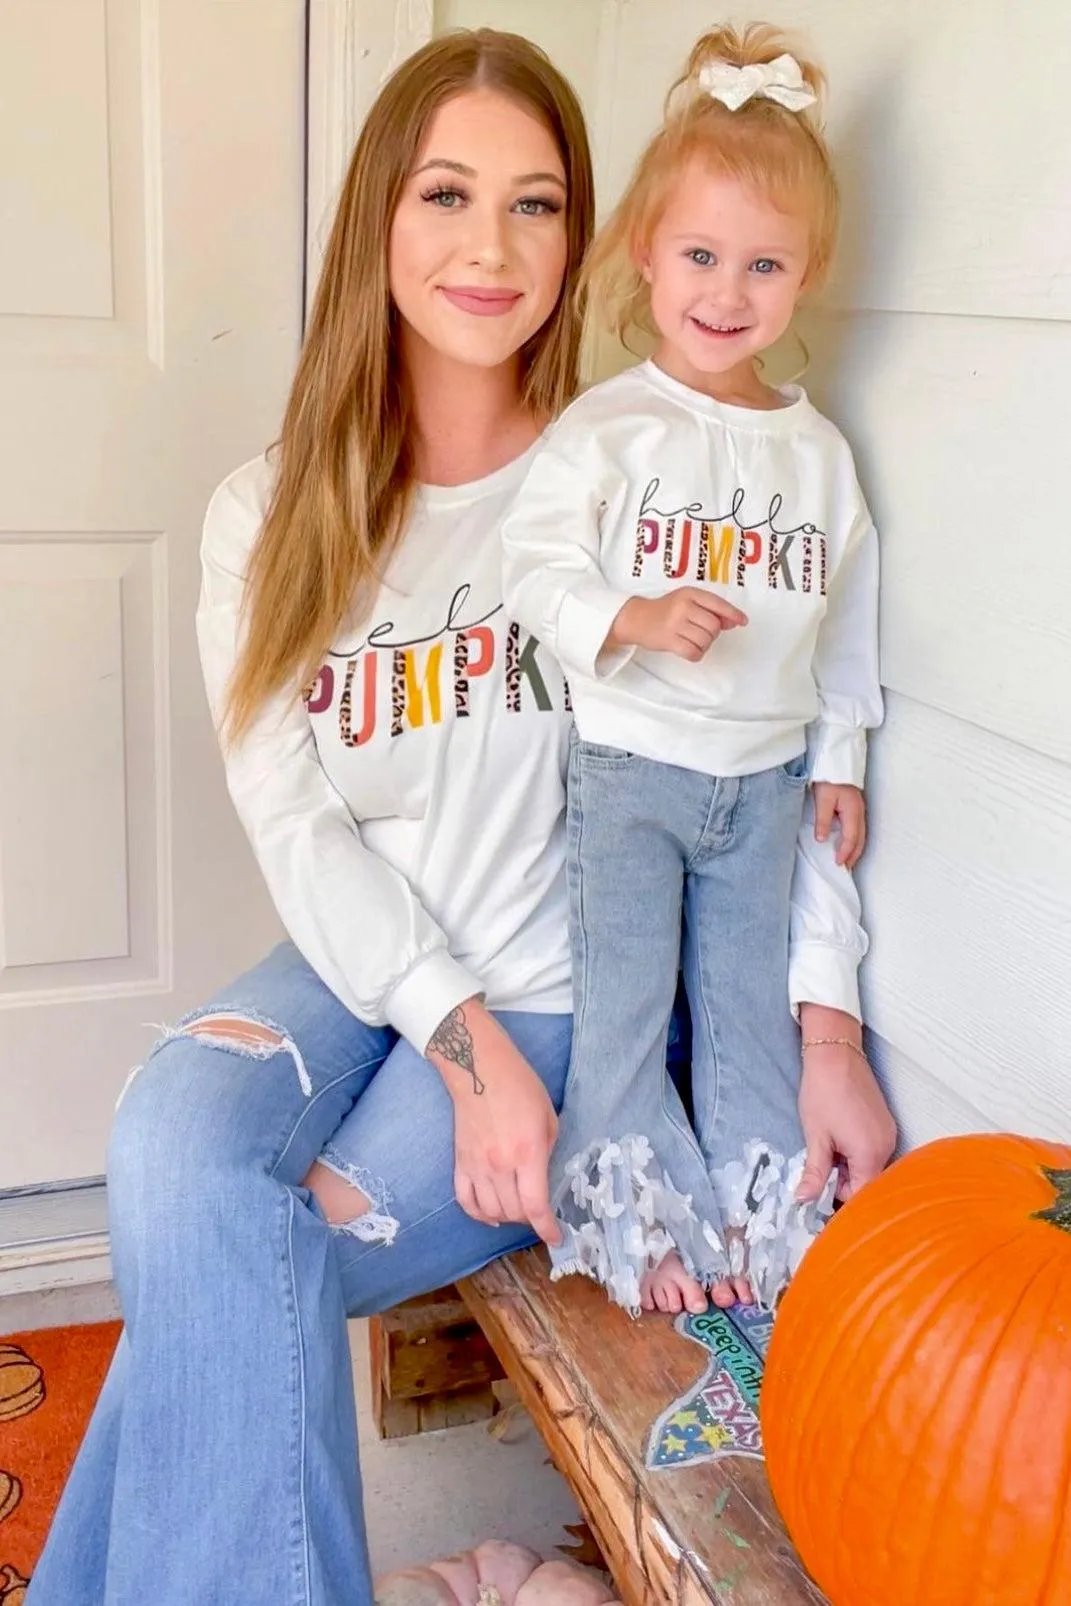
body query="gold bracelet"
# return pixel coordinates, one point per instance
(836, 1042)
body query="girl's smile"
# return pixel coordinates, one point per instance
(725, 269)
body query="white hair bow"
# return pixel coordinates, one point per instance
(780, 80)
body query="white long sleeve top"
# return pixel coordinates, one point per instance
(408, 815)
(643, 485)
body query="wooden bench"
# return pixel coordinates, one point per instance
(596, 1384)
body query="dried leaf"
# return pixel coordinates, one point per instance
(586, 1551)
(509, 1425)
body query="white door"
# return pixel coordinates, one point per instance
(151, 266)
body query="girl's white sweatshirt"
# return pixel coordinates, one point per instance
(644, 485)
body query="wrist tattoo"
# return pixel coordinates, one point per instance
(452, 1040)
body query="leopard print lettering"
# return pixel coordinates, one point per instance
(667, 550)
(461, 679)
(513, 671)
(397, 692)
(702, 568)
(346, 733)
(647, 534)
(345, 707)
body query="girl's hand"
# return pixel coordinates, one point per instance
(685, 622)
(504, 1122)
(847, 806)
(847, 1124)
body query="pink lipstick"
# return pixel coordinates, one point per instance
(481, 303)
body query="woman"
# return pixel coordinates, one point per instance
(221, 1462)
(369, 1113)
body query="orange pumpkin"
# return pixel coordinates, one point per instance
(916, 1401)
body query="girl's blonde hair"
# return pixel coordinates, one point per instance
(344, 475)
(781, 154)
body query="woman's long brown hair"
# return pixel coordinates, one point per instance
(344, 469)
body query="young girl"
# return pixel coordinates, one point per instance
(693, 546)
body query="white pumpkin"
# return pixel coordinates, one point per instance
(414, 1586)
(496, 1573)
(503, 1567)
(562, 1583)
(461, 1576)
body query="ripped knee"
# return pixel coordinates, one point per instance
(240, 1030)
(246, 1034)
(235, 1032)
(339, 1200)
(353, 1202)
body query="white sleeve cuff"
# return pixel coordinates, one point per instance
(819, 973)
(424, 998)
(838, 754)
(584, 620)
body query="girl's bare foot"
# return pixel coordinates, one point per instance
(670, 1288)
(732, 1291)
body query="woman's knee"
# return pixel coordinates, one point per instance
(183, 1117)
(339, 1200)
(352, 1201)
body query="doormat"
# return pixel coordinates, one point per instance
(719, 1415)
(49, 1382)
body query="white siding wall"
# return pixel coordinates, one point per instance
(941, 348)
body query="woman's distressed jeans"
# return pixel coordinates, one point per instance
(221, 1461)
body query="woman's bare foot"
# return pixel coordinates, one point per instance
(670, 1288)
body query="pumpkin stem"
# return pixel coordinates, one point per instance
(1059, 1212)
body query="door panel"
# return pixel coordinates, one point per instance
(152, 213)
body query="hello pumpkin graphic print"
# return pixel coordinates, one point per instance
(432, 674)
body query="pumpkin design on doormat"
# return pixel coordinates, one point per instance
(22, 1383)
(13, 1587)
(22, 1390)
(718, 1416)
(49, 1382)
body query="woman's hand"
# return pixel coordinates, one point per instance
(846, 806)
(504, 1122)
(847, 1125)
